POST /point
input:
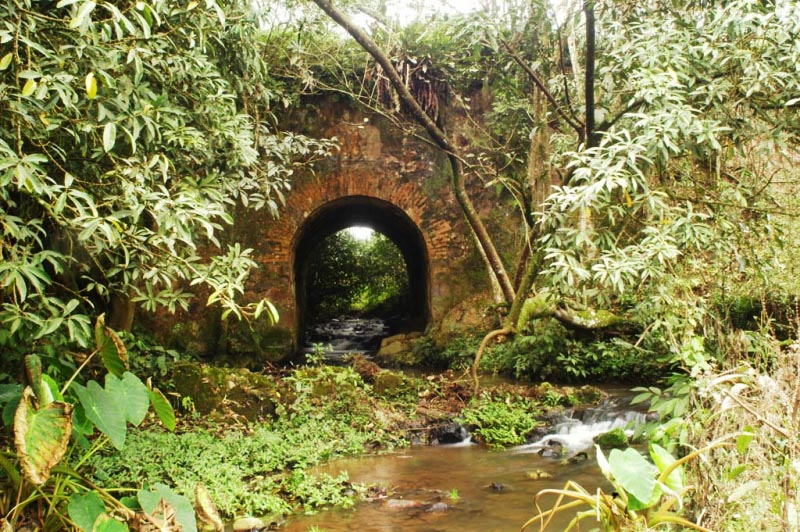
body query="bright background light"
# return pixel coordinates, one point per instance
(361, 233)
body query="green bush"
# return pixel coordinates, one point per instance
(457, 353)
(552, 352)
(501, 421)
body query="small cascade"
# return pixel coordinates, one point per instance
(575, 432)
(343, 336)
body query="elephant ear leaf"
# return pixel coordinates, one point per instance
(110, 347)
(33, 369)
(163, 409)
(41, 436)
(132, 394)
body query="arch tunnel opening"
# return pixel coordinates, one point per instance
(353, 333)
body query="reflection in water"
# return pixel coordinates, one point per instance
(495, 490)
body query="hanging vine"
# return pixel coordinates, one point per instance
(420, 77)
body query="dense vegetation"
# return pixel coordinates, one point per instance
(128, 133)
(352, 276)
(649, 148)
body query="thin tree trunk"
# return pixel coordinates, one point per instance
(590, 135)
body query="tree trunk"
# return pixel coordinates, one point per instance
(120, 312)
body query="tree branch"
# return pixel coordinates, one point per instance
(574, 124)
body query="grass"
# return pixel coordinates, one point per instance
(759, 489)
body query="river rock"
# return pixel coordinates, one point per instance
(397, 351)
(449, 434)
(401, 504)
(392, 345)
(439, 507)
(249, 524)
(613, 439)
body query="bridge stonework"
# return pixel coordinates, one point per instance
(381, 177)
(375, 161)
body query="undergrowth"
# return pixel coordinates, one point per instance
(551, 352)
(263, 468)
(501, 421)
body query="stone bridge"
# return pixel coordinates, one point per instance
(383, 178)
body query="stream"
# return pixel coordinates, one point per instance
(342, 336)
(466, 487)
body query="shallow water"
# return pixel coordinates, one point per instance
(495, 489)
(428, 475)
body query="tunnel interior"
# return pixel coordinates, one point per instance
(382, 217)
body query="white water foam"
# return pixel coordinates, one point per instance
(576, 435)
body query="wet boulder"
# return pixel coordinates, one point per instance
(401, 504)
(613, 439)
(249, 524)
(397, 350)
(448, 434)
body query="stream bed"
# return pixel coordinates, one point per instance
(467, 487)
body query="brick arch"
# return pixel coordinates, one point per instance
(381, 216)
(401, 181)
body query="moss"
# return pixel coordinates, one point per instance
(613, 439)
(391, 384)
(238, 391)
(538, 306)
(597, 319)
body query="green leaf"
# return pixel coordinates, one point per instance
(10, 392)
(132, 393)
(743, 441)
(9, 409)
(273, 312)
(6, 61)
(33, 370)
(111, 348)
(85, 509)
(41, 436)
(736, 471)
(84, 11)
(109, 136)
(50, 390)
(106, 523)
(217, 9)
(29, 87)
(634, 474)
(163, 409)
(105, 410)
(184, 512)
(663, 459)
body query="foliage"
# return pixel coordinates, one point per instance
(640, 149)
(455, 352)
(147, 358)
(501, 421)
(760, 402)
(550, 351)
(127, 136)
(644, 493)
(261, 469)
(51, 426)
(350, 276)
